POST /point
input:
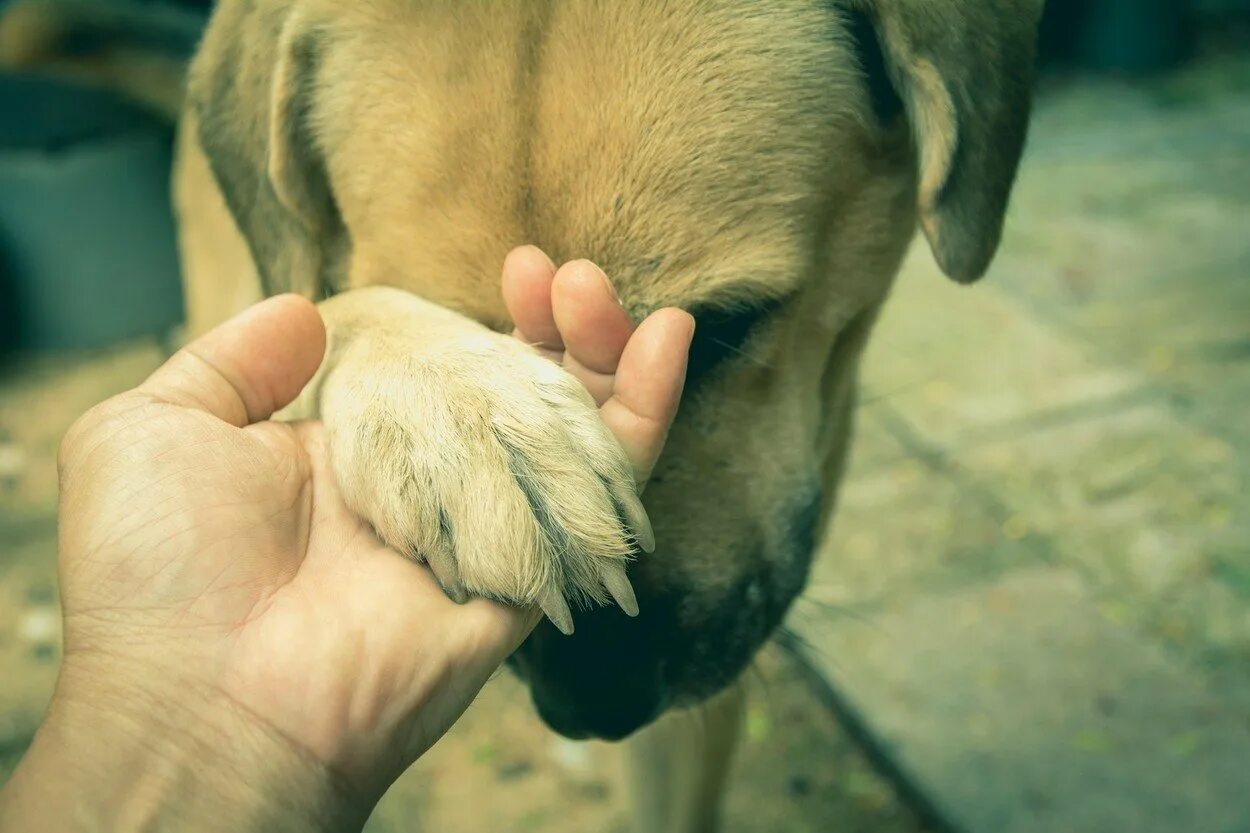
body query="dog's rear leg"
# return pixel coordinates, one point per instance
(678, 766)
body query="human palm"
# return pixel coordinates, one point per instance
(206, 552)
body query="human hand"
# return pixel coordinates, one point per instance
(239, 648)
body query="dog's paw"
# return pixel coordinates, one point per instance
(492, 465)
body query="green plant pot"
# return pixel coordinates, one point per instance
(87, 244)
(1135, 36)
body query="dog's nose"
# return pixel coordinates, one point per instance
(603, 717)
(606, 680)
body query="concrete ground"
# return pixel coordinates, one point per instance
(1035, 608)
(1036, 602)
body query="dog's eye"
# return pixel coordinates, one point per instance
(721, 335)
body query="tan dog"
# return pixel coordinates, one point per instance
(761, 163)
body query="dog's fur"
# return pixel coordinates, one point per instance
(761, 163)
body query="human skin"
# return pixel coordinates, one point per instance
(241, 653)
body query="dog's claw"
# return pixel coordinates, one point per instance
(443, 565)
(636, 519)
(618, 585)
(557, 610)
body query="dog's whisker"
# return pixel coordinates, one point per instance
(755, 360)
(840, 610)
(883, 395)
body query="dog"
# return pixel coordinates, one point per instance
(762, 164)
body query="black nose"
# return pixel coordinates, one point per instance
(606, 680)
(605, 716)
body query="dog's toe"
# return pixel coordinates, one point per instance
(440, 557)
(556, 607)
(617, 584)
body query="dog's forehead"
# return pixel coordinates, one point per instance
(661, 139)
(705, 139)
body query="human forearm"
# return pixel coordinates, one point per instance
(109, 758)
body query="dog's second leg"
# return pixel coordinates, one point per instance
(678, 767)
(219, 277)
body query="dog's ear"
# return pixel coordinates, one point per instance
(964, 71)
(252, 91)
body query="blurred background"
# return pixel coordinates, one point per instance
(1035, 612)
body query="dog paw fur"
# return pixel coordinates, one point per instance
(491, 464)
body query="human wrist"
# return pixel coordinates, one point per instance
(112, 756)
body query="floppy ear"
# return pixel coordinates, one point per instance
(964, 71)
(252, 89)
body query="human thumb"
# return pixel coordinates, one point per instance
(249, 367)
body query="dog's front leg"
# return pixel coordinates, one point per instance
(678, 766)
(468, 450)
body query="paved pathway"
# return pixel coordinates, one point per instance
(1036, 602)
